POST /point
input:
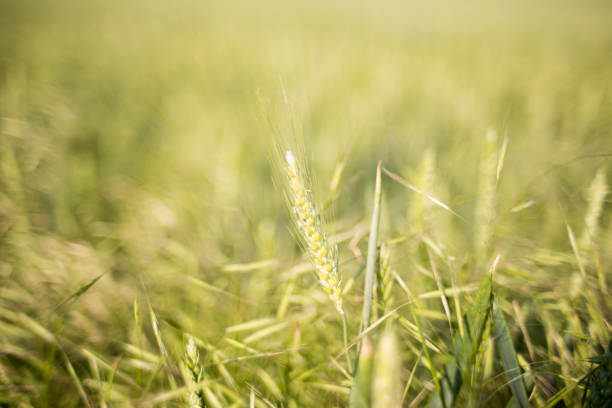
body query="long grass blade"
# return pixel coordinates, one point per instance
(555, 399)
(81, 291)
(409, 186)
(370, 275)
(508, 355)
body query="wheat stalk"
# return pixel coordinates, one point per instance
(386, 387)
(311, 233)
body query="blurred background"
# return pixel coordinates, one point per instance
(133, 144)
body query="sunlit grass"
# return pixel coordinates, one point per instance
(141, 232)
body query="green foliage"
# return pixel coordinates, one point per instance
(458, 371)
(598, 391)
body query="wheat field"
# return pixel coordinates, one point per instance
(305, 203)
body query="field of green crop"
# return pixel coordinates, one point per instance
(149, 255)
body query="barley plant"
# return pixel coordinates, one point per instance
(305, 204)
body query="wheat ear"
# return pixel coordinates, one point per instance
(309, 227)
(194, 374)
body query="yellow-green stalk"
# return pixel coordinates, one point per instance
(386, 386)
(310, 230)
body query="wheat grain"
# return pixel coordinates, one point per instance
(311, 233)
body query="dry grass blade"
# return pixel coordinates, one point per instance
(251, 266)
(331, 388)
(268, 354)
(411, 377)
(373, 326)
(253, 324)
(207, 286)
(260, 334)
(409, 186)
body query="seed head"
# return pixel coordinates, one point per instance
(310, 230)
(194, 373)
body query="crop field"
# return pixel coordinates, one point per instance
(305, 203)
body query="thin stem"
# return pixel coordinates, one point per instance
(345, 339)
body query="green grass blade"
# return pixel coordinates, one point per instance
(77, 381)
(432, 368)
(508, 355)
(371, 262)
(81, 290)
(555, 399)
(370, 276)
(440, 286)
(411, 377)
(372, 255)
